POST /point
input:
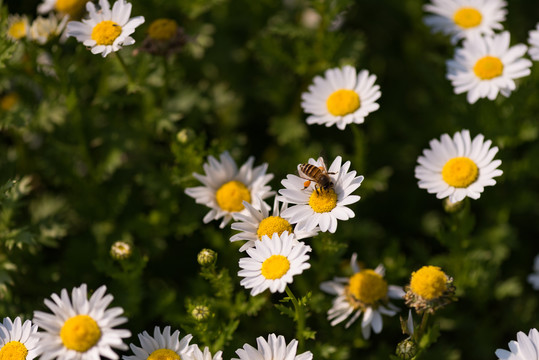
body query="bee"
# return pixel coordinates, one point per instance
(317, 174)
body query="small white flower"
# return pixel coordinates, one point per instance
(465, 19)
(366, 292)
(94, 336)
(486, 66)
(458, 167)
(17, 27)
(273, 262)
(225, 188)
(257, 223)
(533, 278)
(275, 348)
(525, 348)
(18, 340)
(197, 354)
(161, 346)
(320, 207)
(106, 30)
(43, 29)
(533, 40)
(341, 97)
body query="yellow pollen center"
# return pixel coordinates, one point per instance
(164, 354)
(272, 225)
(368, 286)
(467, 17)
(71, 7)
(80, 333)
(488, 67)
(106, 32)
(275, 267)
(429, 282)
(231, 195)
(17, 30)
(7, 102)
(162, 29)
(343, 102)
(323, 200)
(13, 350)
(460, 172)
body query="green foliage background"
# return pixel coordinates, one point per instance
(88, 159)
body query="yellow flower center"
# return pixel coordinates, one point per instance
(7, 102)
(13, 350)
(272, 225)
(71, 7)
(323, 200)
(429, 282)
(164, 354)
(467, 17)
(80, 333)
(488, 67)
(343, 102)
(162, 29)
(106, 32)
(275, 267)
(231, 195)
(17, 30)
(460, 172)
(368, 286)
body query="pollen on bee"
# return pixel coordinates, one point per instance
(306, 184)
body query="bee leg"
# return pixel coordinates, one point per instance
(306, 184)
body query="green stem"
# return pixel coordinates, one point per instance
(300, 318)
(165, 71)
(124, 67)
(423, 326)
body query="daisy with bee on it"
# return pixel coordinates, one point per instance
(318, 174)
(320, 195)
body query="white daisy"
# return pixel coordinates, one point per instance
(464, 19)
(458, 167)
(106, 30)
(161, 346)
(18, 27)
(225, 187)
(257, 223)
(486, 66)
(341, 97)
(275, 348)
(197, 354)
(366, 292)
(533, 278)
(79, 328)
(525, 348)
(18, 341)
(43, 29)
(73, 8)
(533, 40)
(319, 207)
(273, 262)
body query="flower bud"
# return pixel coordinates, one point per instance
(200, 312)
(406, 349)
(206, 257)
(121, 250)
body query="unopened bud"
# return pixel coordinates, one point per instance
(206, 257)
(121, 250)
(451, 208)
(406, 349)
(200, 312)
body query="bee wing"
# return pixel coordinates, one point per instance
(322, 163)
(303, 175)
